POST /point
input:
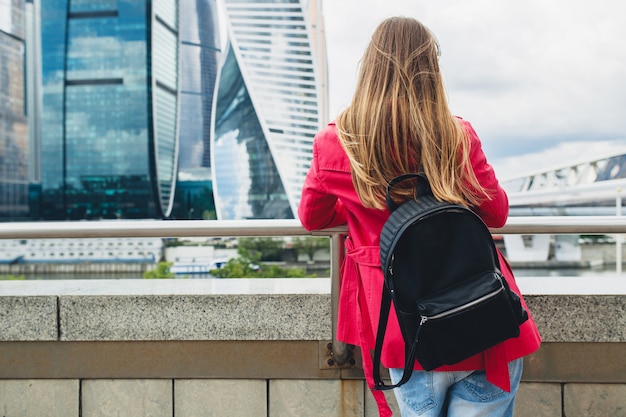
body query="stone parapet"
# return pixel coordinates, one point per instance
(260, 347)
(133, 310)
(565, 309)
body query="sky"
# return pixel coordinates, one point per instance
(543, 82)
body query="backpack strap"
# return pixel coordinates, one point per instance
(385, 307)
(409, 351)
(422, 188)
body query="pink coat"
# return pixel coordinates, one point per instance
(329, 199)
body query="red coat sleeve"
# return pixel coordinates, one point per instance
(319, 209)
(494, 211)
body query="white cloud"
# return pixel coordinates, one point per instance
(562, 155)
(528, 75)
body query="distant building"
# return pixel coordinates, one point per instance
(270, 101)
(94, 250)
(14, 147)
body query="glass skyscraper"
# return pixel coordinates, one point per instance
(14, 147)
(200, 54)
(138, 109)
(270, 102)
(199, 60)
(109, 126)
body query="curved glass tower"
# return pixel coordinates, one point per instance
(199, 60)
(109, 125)
(270, 102)
(199, 56)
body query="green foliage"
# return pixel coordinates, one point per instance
(246, 267)
(234, 268)
(266, 248)
(310, 245)
(161, 271)
(173, 242)
(12, 277)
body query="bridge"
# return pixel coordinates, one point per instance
(590, 187)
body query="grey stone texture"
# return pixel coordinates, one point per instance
(220, 397)
(28, 318)
(196, 317)
(579, 318)
(44, 316)
(212, 309)
(314, 398)
(261, 309)
(127, 398)
(594, 400)
(260, 398)
(371, 409)
(39, 398)
(538, 400)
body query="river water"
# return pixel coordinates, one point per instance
(603, 271)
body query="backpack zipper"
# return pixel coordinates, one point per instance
(492, 294)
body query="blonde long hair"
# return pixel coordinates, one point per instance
(399, 118)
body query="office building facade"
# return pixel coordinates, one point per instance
(129, 100)
(270, 102)
(109, 112)
(200, 52)
(14, 147)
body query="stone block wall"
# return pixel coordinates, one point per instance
(263, 398)
(260, 348)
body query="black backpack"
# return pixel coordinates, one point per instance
(442, 274)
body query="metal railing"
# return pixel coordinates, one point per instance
(252, 228)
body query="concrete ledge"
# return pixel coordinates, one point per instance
(183, 317)
(166, 286)
(208, 309)
(28, 317)
(260, 309)
(579, 318)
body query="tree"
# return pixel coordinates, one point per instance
(310, 245)
(12, 277)
(161, 271)
(267, 248)
(247, 265)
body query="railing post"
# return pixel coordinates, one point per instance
(618, 237)
(339, 351)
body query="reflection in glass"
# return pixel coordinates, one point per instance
(199, 56)
(14, 145)
(246, 178)
(109, 121)
(270, 104)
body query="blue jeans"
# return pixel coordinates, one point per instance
(455, 394)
